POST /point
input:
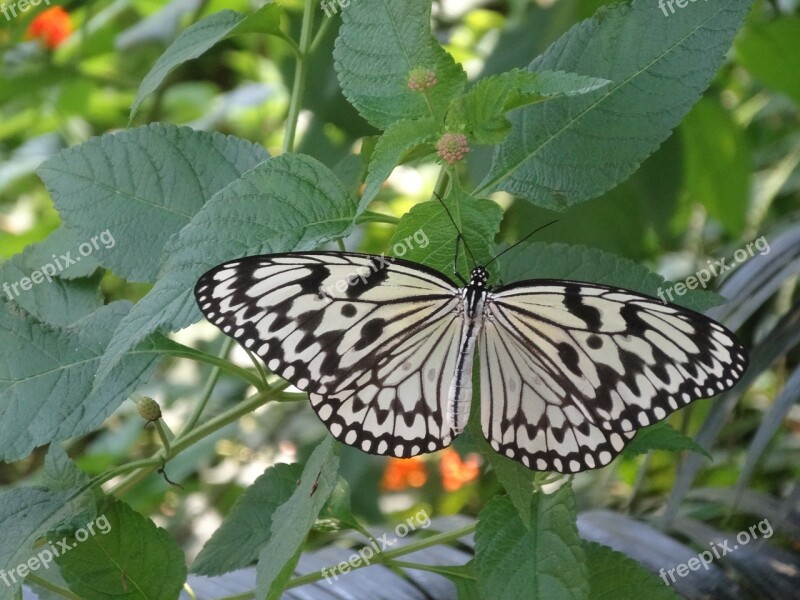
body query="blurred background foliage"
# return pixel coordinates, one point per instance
(727, 175)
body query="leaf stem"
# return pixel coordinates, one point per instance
(211, 383)
(387, 556)
(299, 86)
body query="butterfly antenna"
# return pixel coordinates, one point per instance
(522, 240)
(460, 235)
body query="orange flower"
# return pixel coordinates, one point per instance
(456, 472)
(51, 26)
(402, 473)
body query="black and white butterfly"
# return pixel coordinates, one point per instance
(569, 371)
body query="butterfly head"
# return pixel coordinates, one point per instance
(479, 277)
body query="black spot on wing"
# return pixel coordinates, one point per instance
(370, 332)
(573, 300)
(366, 281)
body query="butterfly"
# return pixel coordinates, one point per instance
(385, 349)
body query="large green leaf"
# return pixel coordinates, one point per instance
(769, 52)
(246, 529)
(539, 560)
(49, 298)
(427, 235)
(483, 108)
(614, 575)
(292, 521)
(47, 374)
(573, 149)
(379, 43)
(127, 558)
(579, 263)
(291, 202)
(133, 190)
(203, 35)
(27, 514)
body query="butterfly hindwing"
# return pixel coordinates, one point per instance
(353, 330)
(570, 371)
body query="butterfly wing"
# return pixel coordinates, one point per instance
(372, 339)
(570, 371)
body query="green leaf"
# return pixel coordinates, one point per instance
(542, 559)
(579, 263)
(27, 514)
(614, 575)
(379, 43)
(337, 514)
(392, 147)
(463, 577)
(291, 202)
(47, 373)
(515, 478)
(482, 109)
(49, 299)
(197, 39)
(60, 473)
(293, 520)
(427, 235)
(572, 149)
(122, 181)
(246, 529)
(130, 559)
(662, 436)
(718, 164)
(56, 246)
(769, 52)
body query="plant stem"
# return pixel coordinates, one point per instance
(190, 438)
(211, 383)
(216, 361)
(299, 86)
(382, 557)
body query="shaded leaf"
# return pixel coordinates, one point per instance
(246, 529)
(116, 189)
(427, 235)
(540, 559)
(131, 559)
(379, 44)
(46, 377)
(293, 520)
(197, 39)
(291, 202)
(662, 436)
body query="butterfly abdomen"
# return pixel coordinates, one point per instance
(459, 398)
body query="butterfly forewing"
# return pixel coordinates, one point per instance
(571, 370)
(371, 339)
